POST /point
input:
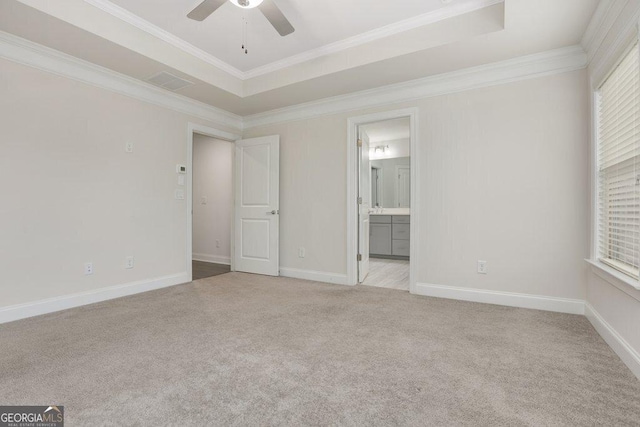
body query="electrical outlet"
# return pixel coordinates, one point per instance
(179, 194)
(217, 243)
(88, 268)
(128, 262)
(128, 147)
(301, 252)
(482, 267)
(203, 200)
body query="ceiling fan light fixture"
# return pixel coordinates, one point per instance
(246, 4)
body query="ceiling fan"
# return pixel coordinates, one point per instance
(267, 7)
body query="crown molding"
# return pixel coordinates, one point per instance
(447, 12)
(604, 18)
(154, 30)
(595, 32)
(46, 59)
(437, 15)
(624, 25)
(537, 65)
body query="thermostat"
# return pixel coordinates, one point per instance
(181, 169)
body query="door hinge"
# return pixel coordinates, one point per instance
(359, 200)
(359, 143)
(359, 257)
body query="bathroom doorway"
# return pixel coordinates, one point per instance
(384, 203)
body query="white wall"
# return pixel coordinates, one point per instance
(505, 171)
(505, 179)
(212, 179)
(73, 195)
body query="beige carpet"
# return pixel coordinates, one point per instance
(240, 349)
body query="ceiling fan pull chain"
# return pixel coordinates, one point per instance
(246, 36)
(242, 33)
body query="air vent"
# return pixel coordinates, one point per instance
(168, 81)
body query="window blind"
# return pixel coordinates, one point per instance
(619, 167)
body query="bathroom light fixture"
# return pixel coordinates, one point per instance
(382, 148)
(246, 4)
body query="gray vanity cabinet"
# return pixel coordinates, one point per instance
(380, 235)
(389, 235)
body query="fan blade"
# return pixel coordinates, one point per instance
(204, 9)
(276, 17)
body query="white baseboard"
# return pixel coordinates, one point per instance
(628, 354)
(21, 311)
(511, 299)
(217, 259)
(318, 276)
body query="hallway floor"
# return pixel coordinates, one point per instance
(202, 270)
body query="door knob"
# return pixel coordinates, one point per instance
(273, 212)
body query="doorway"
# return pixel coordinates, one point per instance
(382, 177)
(209, 244)
(254, 212)
(212, 206)
(385, 147)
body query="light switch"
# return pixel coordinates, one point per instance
(203, 200)
(482, 267)
(180, 194)
(181, 180)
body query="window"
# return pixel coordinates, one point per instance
(619, 166)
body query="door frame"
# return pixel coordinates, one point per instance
(352, 191)
(218, 134)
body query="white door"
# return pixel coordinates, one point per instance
(403, 190)
(364, 203)
(257, 204)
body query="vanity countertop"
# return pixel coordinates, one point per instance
(392, 211)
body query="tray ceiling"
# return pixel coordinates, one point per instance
(317, 23)
(339, 47)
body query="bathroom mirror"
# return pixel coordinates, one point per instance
(391, 183)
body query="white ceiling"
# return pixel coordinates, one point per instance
(317, 23)
(419, 38)
(388, 130)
